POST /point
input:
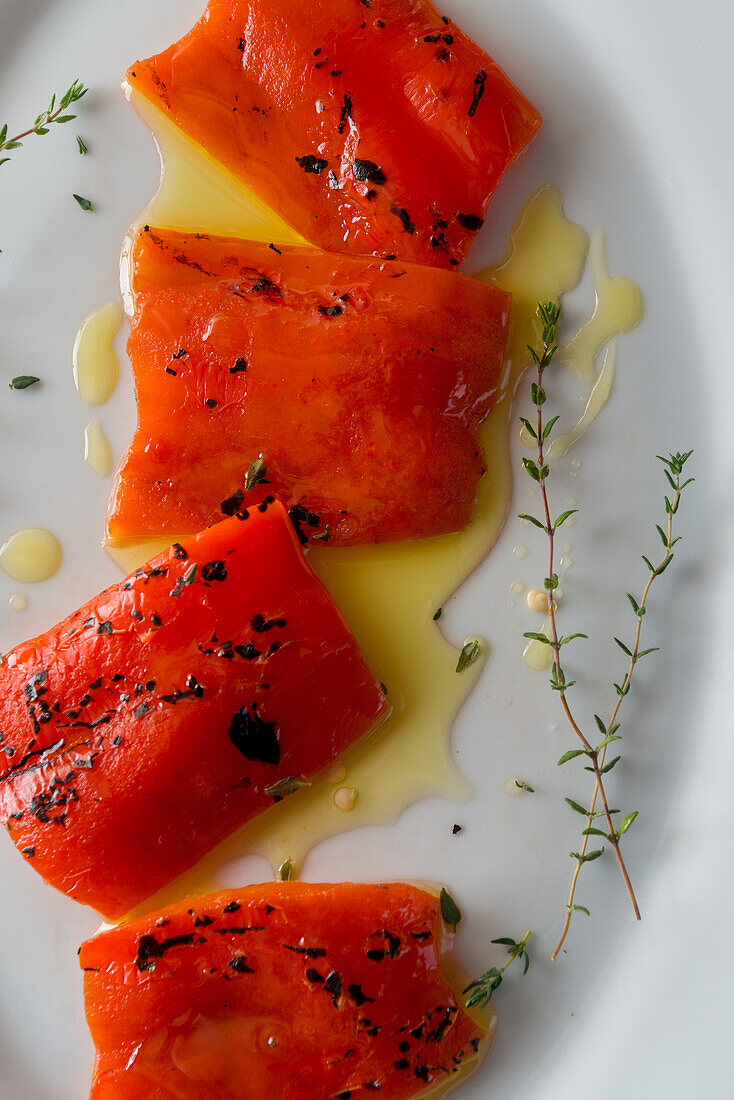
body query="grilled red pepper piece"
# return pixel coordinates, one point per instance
(361, 381)
(285, 991)
(150, 724)
(371, 128)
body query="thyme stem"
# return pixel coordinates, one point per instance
(551, 316)
(634, 657)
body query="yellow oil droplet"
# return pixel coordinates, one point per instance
(538, 655)
(537, 600)
(517, 588)
(94, 359)
(18, 602)
(345, 798)
(97, 450)
(336, 773)
(520, 552)
(618, 309)
(388, 594)
(31, 555)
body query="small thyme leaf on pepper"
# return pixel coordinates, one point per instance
(469, 654)
(257, 473)
(285, 871)
(483, 988)
(287, 785)
(23, 381)
(449, 909)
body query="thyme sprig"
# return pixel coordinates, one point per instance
(596, 754)
(673, 469)
(55, 113)
(483, 988)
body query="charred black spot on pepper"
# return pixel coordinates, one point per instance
(239, 963)
(311, 164)
(254, 738)
(358, 996)
(421, 1072)
(369, 1085)
(331, 311)
(404, 217)
(478, 92)
(346, 112)
(241, 45)
(150, 685)
(211, 403)
(240, 365)
(264, 285)
(203, 922)
(179, 552)
(156, 620)
(470, 221)
(278, 250)
(346, 1094)
(116, 741)
(261, 625)
(149, 949)
(141, 711)
(314, 977)
(104, 628)
(448, 39)
(135, 614)
(30, 852)
(247, 652)
(214, 571)
(232, 504)
(232, 907)
(170, 370)
(180, 353)
(432, 38)
(309, 952)
(368, 170)
(299, 515)
(403, 1047)
(333, 986)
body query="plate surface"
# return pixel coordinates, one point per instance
(635, 110)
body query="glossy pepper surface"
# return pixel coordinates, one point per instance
(369, 127)
(282, 991)
(361, 381)
(150, 724)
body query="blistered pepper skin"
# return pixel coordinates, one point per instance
(362, 382)
(375, 128)
(148, 726)
(284, 991)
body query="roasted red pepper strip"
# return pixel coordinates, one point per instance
(371, 128)
(146, 727)
(285, 991)
(362, 382)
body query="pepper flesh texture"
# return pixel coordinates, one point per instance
(377, 128)
(362, 382)
(290, 991)
(147, 726)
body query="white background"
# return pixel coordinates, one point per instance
(636, 98)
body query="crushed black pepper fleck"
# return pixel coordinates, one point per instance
(254, 738)
(311, 164)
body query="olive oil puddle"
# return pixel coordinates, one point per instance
(94, 360)
(31, 556)
(388, 594)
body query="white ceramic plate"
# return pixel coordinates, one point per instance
(635, 98)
